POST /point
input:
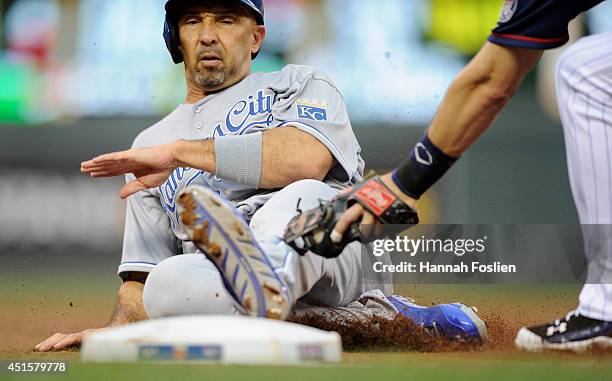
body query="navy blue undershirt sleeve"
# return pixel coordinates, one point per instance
(537, 24)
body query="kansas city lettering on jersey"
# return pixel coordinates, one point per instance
(179, 179)
(246, 113)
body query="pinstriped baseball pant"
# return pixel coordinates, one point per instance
(584, 95)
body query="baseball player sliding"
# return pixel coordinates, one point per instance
(476, 96)
(225, 172)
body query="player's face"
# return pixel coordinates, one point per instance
(217, 40)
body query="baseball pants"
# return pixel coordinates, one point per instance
(584, 95)
(190, 284)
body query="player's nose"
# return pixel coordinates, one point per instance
(208, 32)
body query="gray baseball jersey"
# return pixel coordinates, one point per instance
(297, 96)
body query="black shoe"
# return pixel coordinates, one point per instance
(573, 333)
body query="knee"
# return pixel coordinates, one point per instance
(185, 285)
(308, 183)
(315, 184)
(310, 191)
(277, 211)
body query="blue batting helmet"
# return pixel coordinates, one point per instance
(173, 8)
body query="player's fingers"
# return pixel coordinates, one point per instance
(91, 164)
(69, 340)
(96, 167)
(47, 344)
(42, 345)
(106, 173)
(367, 219)
(110, 157)
(87, 164)
(53, 339)
(367, 226)
(131, 188)
(113, 168)
(66, 340)
(345, 191)
(353, 214)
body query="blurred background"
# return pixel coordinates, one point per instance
(83, 77)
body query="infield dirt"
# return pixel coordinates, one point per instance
(34, 309)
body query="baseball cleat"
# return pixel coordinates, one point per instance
(572, 333)
(219, 231)
(454, 321)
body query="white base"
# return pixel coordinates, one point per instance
(213, 339)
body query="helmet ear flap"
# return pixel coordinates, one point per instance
(171, 37)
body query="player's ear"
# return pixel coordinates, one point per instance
(259, 33)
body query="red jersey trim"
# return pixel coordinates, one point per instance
(531, 39)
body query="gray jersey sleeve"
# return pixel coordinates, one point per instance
(310, 101)
(148, 237)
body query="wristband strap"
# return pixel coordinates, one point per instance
(239, 158)
(425, 166)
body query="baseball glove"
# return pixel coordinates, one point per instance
(310, 231)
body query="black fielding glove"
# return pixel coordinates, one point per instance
(311, 230)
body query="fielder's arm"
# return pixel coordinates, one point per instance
(478, 94)
(470, 106)
(128, 309)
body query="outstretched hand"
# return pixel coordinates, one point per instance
(61, 341)
(151, 166)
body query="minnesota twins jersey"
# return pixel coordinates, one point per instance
(297, 96)
(537, 24)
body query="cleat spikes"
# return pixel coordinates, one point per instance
(214, 250)
(267, 286)
(239, 229)
(215, 201)
(248, 304)
(273, 313)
